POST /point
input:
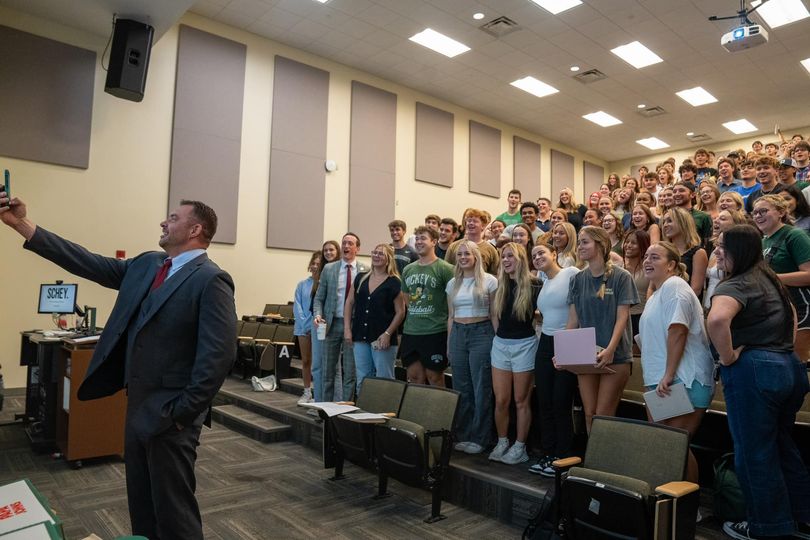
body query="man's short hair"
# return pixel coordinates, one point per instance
(397, 224)
(205, 216)
(433, 217)
(687, 167)
(529, 204)
(544, 199)
(476, 213)
(422, 229)
(747, 161)
(701, 151)
(356, 238)
(802, 144)
(766, 161)
(729, 161)
(756, 142)
(799, 135)
(772, 144)
(449, 221)
(515, 191)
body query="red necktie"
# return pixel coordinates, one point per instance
(348, 281)
(163, 272)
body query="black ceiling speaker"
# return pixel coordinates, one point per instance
(129, 59)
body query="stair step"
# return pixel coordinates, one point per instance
(254, 425)
(293, 386)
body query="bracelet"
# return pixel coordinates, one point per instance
(387, 333)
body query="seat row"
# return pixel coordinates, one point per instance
(259, 345)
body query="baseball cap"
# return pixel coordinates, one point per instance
(788, 162)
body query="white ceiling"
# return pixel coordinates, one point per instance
(766, 85)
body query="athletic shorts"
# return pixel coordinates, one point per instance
(515, 355)
(430, 350)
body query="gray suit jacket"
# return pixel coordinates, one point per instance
(326, 299)
(179, 339)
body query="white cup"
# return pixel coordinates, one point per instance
(322, 331)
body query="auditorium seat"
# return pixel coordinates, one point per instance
(244, 345)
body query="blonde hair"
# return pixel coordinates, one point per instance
(523, 300)
(390, 264)
(602, 239)
(478, 274)
(572, 204)
(674, 255)
(711, 185)
(686, 225)
(570, 249)
(734, 196)
(777, 202)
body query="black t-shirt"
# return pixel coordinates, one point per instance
(373, 312)
(509, 327)
(440, 253)
(763, 322)
(404, 256)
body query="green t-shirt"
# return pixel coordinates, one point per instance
(427, 300)
(509, 219)
(786, 249)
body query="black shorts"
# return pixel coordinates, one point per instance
(430, 350)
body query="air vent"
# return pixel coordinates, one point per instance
(699, 137)
(500, 27)
(649, 112)
(590, 76)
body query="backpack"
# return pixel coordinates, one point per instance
(729, 502)
(543, 525)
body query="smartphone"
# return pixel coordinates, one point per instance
(7, 187)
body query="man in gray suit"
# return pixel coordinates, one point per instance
(170, 341)
(336, 279)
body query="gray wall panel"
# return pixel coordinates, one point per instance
(207, 131)
(527, 168)
(594, 176)
(372, 161)
(434, 145)
(297, 155)
(47, 99)
(562, 173)
(485, 160)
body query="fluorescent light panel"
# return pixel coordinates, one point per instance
(778, 13)
(696, 96)
(806, 64)
(438, 42)
(322, 1)
(739, 126)
(637, 55)
(653, 143)
(535, 87)
(602, 118)
(558, 6)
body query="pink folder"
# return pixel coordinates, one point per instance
(575, 351)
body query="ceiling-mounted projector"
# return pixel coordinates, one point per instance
(744, 37)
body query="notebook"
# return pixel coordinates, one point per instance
(675, 404)
(575, 351)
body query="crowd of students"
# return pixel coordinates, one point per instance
(708, 268)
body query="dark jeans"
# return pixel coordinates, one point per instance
(470, 345)
(763, 391)
(555, 398)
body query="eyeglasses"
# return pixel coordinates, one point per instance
(378, 254)
(760, 212)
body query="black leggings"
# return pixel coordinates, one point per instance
(555, 398)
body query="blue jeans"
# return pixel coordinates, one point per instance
(332, 348)
(470, 345)
(370, 362)
(763, 391)
(317, 364)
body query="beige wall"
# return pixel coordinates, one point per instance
(623, 166)
(118, 202)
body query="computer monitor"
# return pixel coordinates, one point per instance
(57, 298)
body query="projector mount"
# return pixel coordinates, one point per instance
(742, 14)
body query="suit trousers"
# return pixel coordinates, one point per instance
(161, 483)
(332, 347)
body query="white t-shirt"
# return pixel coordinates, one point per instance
(464, 305)
(552, 302)
(674, 303)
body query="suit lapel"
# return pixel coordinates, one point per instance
(164, 292)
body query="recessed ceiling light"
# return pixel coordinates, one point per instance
(739, 126)
(637, 55)
(806, 64)
(653, 143)
(690, 133)
(534, 86)
(640, 106)
(322, 1)
(439, 42)
(558, 6)
(478, 16)
(574, 68)
(602, 118)
(696, 96)
(777, 13)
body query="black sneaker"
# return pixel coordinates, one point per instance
(541, 464)
(738, 530)
(802, 531)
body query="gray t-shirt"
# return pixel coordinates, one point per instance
(601, 314)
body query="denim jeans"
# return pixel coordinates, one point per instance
(317, 364)
(470, 345)
(370, 362)
(763, 391)
(555, 398)
(332, 347)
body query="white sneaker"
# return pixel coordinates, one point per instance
(306, 397)
(499, 450)
(515, 455)
(461, 446)
(473, 448)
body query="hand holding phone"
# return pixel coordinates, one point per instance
(7, 187)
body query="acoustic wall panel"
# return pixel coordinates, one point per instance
(562, 173)
(485, 160)
(434, 145)
(207, 131)
(372, 164)
(297, 155)
(594, 177)
(47, 99)
(527, 168)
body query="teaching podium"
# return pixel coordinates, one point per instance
(86, 429)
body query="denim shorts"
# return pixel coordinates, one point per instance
(700, 395)
(515, 355)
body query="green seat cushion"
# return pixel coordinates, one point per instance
(616, 480)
